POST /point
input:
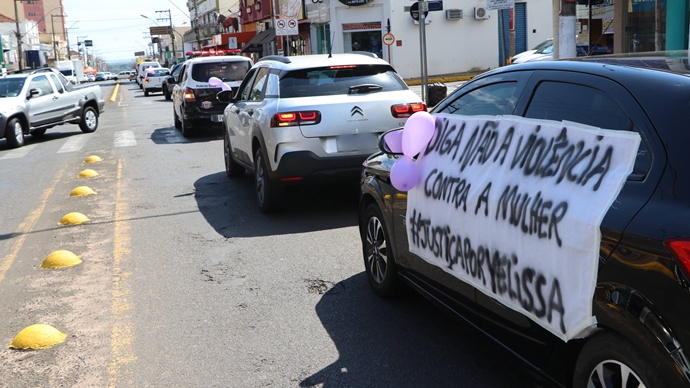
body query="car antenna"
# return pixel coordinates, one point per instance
(330, 50)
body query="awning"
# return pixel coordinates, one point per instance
(262, 37)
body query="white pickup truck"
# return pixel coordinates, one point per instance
(33, 100)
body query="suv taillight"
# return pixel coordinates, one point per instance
(286, 119)
(680, 249)
(189, 95)
(146, 80)
(403, 111)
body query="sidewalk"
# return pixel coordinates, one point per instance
(444, 78)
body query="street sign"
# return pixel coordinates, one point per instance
(160, 30)
(500, 4)
(388, 39)
(139, 53)
(88, 43)
(286, 27)
(414, 11)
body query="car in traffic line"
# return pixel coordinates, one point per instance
(194, 100)
(154, 79)
(169, 82)
(310, 119)
(34, 100)
(442, 237)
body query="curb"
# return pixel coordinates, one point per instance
(432, 80)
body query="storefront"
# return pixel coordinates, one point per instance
(319, 17)
(358, 26)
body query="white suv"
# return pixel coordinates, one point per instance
(311, 118)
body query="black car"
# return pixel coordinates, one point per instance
(641, 277)
(169, 82)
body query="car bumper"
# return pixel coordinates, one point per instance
(306, 167)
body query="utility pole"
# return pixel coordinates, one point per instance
(172, 33)
(567, 19)
(19, 35)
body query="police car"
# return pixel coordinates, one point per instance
(194, 99)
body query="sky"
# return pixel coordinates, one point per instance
(117, 29)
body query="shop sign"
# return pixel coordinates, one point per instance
(362, 26)
(355, 3)
(319, 12)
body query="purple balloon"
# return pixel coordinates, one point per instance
(394, 141)
(418, 131)
(404, 173)
(215, 81)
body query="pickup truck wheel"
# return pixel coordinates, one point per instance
(89, 120)
(14, 133)
(268, 196)
(146, 93)
(39, 132)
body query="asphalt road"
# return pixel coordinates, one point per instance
(185, 283)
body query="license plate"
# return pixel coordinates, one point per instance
(359, 142)
(217, 118)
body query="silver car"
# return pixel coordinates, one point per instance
(312, 118)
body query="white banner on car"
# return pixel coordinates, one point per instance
(513, 206)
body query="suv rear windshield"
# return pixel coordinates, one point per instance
(226, 71)
(11, 87)
(334, 80)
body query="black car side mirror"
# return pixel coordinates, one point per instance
(225, 96)
(34, 92)
(390, 141)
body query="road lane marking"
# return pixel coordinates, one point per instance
(19, 152)
(121, 338)
(117, 87)
(27, 226)
(73, 144)
(125, 139)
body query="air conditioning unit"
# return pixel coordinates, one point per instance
(453, 14)
(480, 13)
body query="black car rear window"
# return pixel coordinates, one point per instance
(329, 81)
(226, 71)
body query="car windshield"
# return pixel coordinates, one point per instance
(329, 81)
(11, 87)
(544, 44)
(226, 71)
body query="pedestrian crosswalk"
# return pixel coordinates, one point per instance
(78, 141)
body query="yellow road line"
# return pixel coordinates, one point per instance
(27, 226)
(117, 87)
(122, 336)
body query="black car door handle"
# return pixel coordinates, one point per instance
(55, 97)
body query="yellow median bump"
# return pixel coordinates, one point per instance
(82, 191)
(60, 259)
(93, 159)
(37, 337)
(74, 218)
(88, 173)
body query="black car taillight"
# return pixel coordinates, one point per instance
(189, 95)
(286, 119)
(680, 249)
(403, 111)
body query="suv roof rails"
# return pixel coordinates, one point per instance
(278, 58)
(29, 70)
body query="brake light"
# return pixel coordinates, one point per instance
(403, 111)
(680, 249)
(343, 67)
(189, 95)
(146, 80)
(286, 119)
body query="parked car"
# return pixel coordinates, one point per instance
(194, 99)
(101, 77)
(32, 101)
(641, 277)
(312, 118)
(154, 80)
(545, 53)
(540, 46)
(169, 81)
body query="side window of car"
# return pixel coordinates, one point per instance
(246, 87)
(563, 101)
(494, 99)
(57, 84)
(42, 84)
(259, 83)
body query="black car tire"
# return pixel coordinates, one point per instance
(619, 359)
(176, 119)
(269, 197)
(166, 93)
(39, 132)
(89, 120)
(379, 262)
(232, 168)
(14, 133)
(146, 93)
(185, 128)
